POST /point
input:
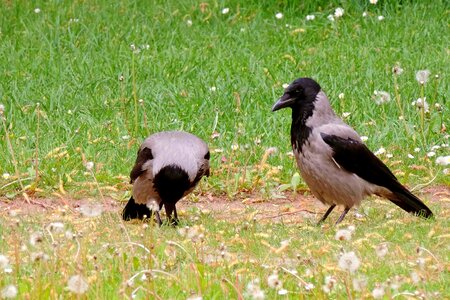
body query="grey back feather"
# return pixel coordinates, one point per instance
(176, 147)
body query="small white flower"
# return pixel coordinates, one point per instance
(89, 165)
(285, 85)
(279, 15)
(91, 210)
(378, 292)
(373, 1)
(9, 292)
(381, 97)
(125, 137)
(422, 76)
(410, 156)
(37, 10)
(416, 149)
(212, 89)
(282, 292)
(331, 18)
(446, 171)
(225, 10)
(435, 147)
(443, 160)
(2, 109)
(364, 138)
(274, 282)
(349, 262)
(365, 14)
(380, 18)
(189, 22)
(4, 262)
(338, 12)
(309, 286)
(359, 283)
(343, 235)
(381, 250)
(234, 147)
(6, 176)
(351, 228)
(346, 114)
(77, 284)
(389, 155)
(341, 96)
(141, 101)
(431, 154)
(380, 151)
(310, 17)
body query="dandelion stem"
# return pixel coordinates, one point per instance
(399, 103)
(11, 151)
(422, 112)
(133, 76)
(36, 153)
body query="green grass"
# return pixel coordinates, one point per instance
(69, 58)
(71, 86)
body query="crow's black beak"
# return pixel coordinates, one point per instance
(285, 101)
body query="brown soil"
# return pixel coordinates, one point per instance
(289, 207)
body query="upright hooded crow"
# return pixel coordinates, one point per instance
(336, 165)
(169, 165)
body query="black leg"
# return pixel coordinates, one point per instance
(158, 218)
(325, 216)
(175, 220)
(343, 215)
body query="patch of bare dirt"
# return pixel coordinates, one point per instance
(291, 207)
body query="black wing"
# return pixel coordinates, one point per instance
(142, 156)
(355, 157)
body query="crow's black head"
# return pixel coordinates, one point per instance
(301, 92)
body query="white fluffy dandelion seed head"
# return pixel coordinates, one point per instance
(341, 96)
(397, 70)
(381, 250)
(381, 97)
(152, 205)
(349, 262)
(380, 18)
(89, 166)
(77, 284)
(36, 238)
(56, 227)
(378, 292)
(343, 235)
(279, 16)
(253, 290)
(225, 10)
(212, 89)
(330, 282)
(6, 176)
(37, 10)
(443, 160)
(330, 18)
(310, 17)
(4, 261)
(338, 12)
(9, 292)
(189, 22)
(274, 282)
(91, 211)
(373, 1)
(365, 14)
(422, 76)
(359, 284)
(422, 103)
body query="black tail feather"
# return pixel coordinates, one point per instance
(410, 203)
(135, 211)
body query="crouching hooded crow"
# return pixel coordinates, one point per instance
(336, 165)
(168, 167)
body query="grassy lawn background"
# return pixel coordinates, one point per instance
(71, 86)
